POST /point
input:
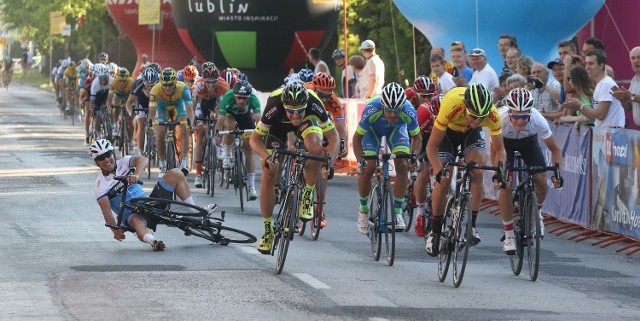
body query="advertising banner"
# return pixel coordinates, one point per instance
(57, 22)
(616, 176)
(148, 12)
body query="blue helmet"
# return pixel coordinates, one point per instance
(306, 75)
(150, 76)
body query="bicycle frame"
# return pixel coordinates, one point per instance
(238, 169)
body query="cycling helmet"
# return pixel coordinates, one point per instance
(208, 64)
(168, 76)
(229, 76)
(113, 67)
(306, 75)
(210, 72)
(519, 99)
(100, 147)
(242, 76)
(393, 96)
(64, 63)
(291, 78)
(324, 81)
(190, 72)
(72, 64)
(103, 55)
(85, 63)
(338, 53)
(294, 94)
(424, 85)
(101, 70)
(150, 76)
(478, 99)
(434, 107)
(242, 88)
(155, 66)
(123, 73)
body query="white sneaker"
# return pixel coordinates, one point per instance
(211, 208)
(399, 223)
(363, 222)
(541, 227)
(475, 239)
(253, 195)
(227, 162)
(509, 245)
(198, 182)
(162, 172)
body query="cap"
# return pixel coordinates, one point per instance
(556, 61)
(367, 44)
(477, 52)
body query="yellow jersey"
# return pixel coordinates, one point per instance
(452, 114)
(121, 90)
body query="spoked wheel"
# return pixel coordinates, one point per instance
(285, 228)
(407, 209)
(375, 236)
(518, 231)
(390, 230)
(166, 207)
(317, 218)
(211, 169)
(171, 156)
(240, 176)
(214, 231)
(446, 243)
(462, 233)
(533, 231)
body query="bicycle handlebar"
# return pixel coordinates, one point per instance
(124, 179)
(555, 168)
(303, 154)
(235, 132)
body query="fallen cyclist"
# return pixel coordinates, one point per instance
(109, 191)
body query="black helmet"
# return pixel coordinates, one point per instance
(242, 88)
(294, 94)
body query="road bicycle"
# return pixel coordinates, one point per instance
(150, 150)
(457, 231)
(527, 225)
(123, 140)
(287, 217)
(382, 218)
(172, 155)
(191, 219)
(237, 174)
(209, 161)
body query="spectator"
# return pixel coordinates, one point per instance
(568, 53)
(524, 66)
(25, 62)
(372, 79)
(315, 56)
(607, 111)
(506, 42)
(483, 73)
(357, 62)
(630, 98)
(516, 81)
(338, 58)
(144, 60)
(444, 80)
(462, 73)
(595, 43)
(499, 92)
(511, 59)
(583, 95)
(448, 65)
(539, 81)
(557, 70)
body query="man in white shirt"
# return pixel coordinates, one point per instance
(315, 57)
(483, 72)
(372, 79)
(630, 98)
(607, 111)
(444, 80)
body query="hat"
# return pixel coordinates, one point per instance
(477, 52)
(367, 44)
(556, 61)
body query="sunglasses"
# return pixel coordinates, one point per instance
(476, 117)
(425, 95)
(392, 110)
(211, 82)
(168, 85)
(104, 156)
(295, 109)
(520, 116)
(190, 80)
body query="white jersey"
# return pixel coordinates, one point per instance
(537, 125)
(109, 187)
(97, 88)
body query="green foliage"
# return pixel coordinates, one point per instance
(371, 19)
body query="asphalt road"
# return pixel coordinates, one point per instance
(59, 262)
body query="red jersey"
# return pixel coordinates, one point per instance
(425, 118)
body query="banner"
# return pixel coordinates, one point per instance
(616, 176)
(148, 12)
(57, 22)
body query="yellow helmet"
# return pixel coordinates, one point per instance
(168, 76)
(122, 73)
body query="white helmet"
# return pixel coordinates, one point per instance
(519, 99)
(100, 147)
(113, 67)
(393, 96)
(101, 70)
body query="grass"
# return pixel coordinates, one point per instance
(35, 78)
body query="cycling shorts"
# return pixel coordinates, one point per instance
(397, 139)
(528, 147)
(277, 136)
(163, 109)
(471, 140)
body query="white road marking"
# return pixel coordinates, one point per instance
(308, 279)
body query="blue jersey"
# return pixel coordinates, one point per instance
(373, 119)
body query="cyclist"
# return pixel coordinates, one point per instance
(463, 113)
(71, 82)
(338, 57)
(60, 82)
(392, 116)
(239, 108)
(140, 97)
(84, 69)
(290, 108)
(208, 92)
(113, 68)
(119, 91)
(171, 98)
(7, 71)
(190, 75)
(85, 95)
(323, 85)
(99, 92)
(103, 58)
(230, 75)
(422, 91)
(521, 126)
(427, 113)
(108, 191)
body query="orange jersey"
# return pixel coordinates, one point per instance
(332, 104)
(200, 89)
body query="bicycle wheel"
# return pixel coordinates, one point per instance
(317, 218)
(149, 151)
(239, 178)
(390, 230)
(518, 231)
(214, 231)
(375, 207)
(286, 227)
(171, 156)
(444, 253)
(462, 241)
(407, 209)
(212, 167)
(166, 207)
(532, 230)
